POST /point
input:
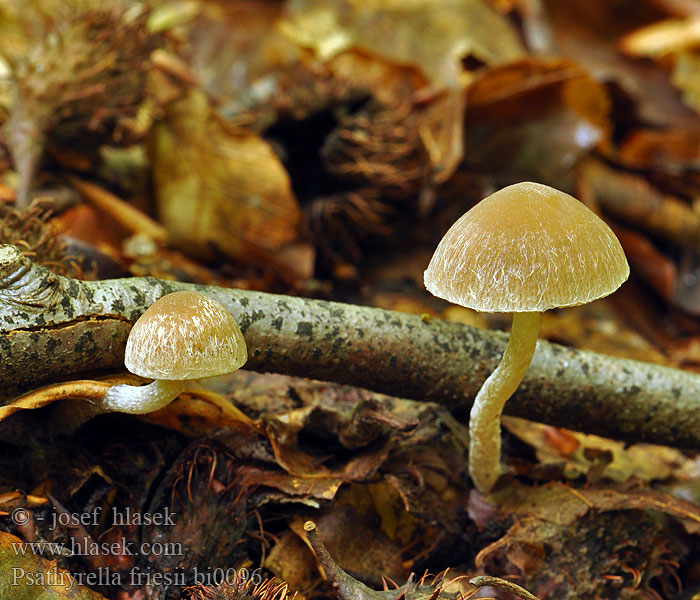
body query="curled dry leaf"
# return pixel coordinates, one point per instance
(510, 105)
(220, 191)
(283, 431)
(290, 560)
(563, 505)
(196, 413)
(678, 38)
(201, 413)
(85, 390)
(307, 488)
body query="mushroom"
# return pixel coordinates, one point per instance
(182, 336)
(523, 249)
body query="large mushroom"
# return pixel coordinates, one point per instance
(524, 249)
(182, 336)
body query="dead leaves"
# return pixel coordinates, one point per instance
(588, 542)
(358, 120)
(677, 40)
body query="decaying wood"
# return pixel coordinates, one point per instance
(52, 327)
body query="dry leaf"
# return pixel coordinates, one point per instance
(292, 561)
(686, 76)
(670, 150)
(356, 543)
(431, 35)
(219, 191)
(662, 38)
(642, 461)
(573, 543)
(534, 118)
(585, 31)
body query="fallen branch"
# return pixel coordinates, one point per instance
(52, 327)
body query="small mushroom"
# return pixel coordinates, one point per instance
(182, 336)
(523, 249)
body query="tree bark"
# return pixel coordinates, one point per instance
(53, 328)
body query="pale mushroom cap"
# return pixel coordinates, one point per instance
(527, 247)
(185, 335)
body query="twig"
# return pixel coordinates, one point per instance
(128, 217)
(52, 328)
(502, 584)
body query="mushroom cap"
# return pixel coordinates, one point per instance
(527, 247)
(185, 335)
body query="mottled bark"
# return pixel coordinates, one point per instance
(52, 327)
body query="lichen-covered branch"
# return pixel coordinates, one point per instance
(53, 328)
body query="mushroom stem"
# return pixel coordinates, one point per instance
(140, 399)
(485, 418)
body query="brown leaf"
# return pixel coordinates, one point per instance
(200, 413)
(292, 561)
(124, 214)
(317, 488)
(221, 191)
(510, 106)
(85, 390)
(299, 463)
(668, 150)
(585, 31)
(572, 543)
(654, 267)
(357, 544)
(563, 505)
(430, 35)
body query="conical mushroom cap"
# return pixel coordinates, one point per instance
(527, 247)
(185, 335)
